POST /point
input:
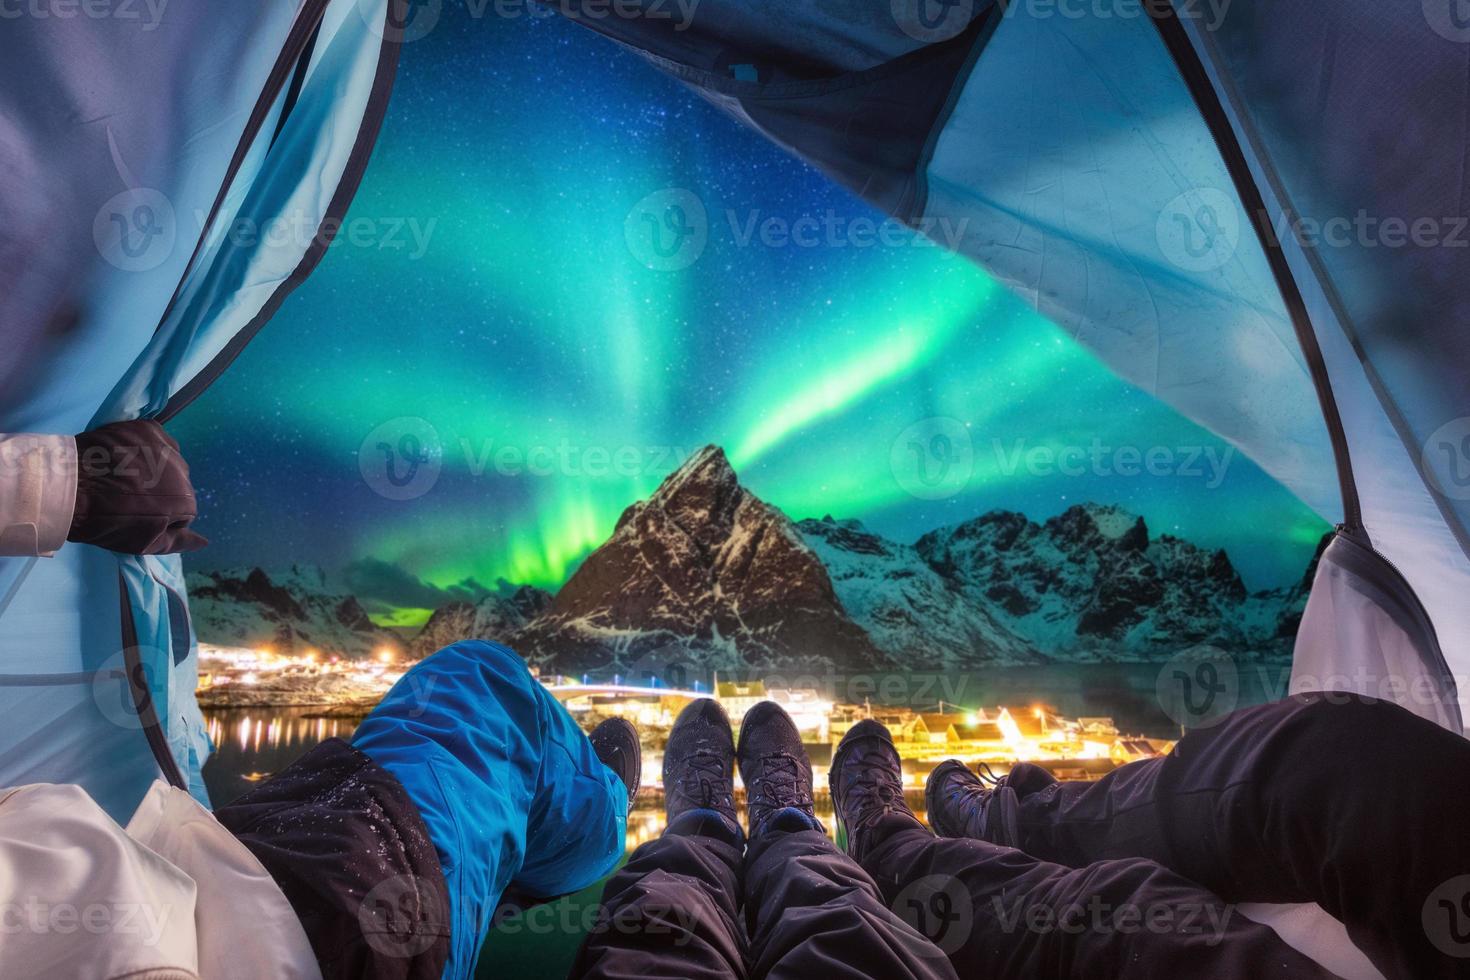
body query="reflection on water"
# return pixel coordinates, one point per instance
(251, 744)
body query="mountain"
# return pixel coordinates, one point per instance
(705, 573)
(1092, 583)
(290, 611)
(913, 613)
(496, 617)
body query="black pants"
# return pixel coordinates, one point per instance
(674, 912)
(352, 855)
(920, 906)
(1359, 806)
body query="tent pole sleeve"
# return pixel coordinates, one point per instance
(1176, 39)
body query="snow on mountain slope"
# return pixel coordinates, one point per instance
(289, 611)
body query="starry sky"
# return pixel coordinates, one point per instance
(502, 312)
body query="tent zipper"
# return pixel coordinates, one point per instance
(1197, 80)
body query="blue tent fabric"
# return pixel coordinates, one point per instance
(505, 780)
(118, 302)
(1121, 169)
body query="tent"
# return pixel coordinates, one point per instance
(1246, 209)
(153, 155)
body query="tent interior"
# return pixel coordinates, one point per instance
(1244, 211)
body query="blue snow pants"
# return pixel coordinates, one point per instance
(505, 781)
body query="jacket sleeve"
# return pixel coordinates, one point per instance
(38, 492)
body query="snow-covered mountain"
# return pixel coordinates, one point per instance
(705, 573)
(496, 617)
(1091, 583)
(914, 614)
(292, 610)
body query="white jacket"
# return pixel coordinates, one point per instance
(38, 493)
(174, 896)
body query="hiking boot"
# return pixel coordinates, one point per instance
(867, 789)
(776, 772)
(984, 807)
(699, 766)
(616, 743)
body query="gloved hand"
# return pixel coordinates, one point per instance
(133, 491)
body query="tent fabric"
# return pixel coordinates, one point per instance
(150, 163)
(1120, 169)
(1325, 123)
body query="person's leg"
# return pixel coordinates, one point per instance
(1325, 798)
(509, 787)
(811, 911)
(672, 912)
(1000, 912)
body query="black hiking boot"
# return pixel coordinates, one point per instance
(960, 804)
(776, 772)
(699, 767)
(616, 743)
(867, 789)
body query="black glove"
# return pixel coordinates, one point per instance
(133, 491)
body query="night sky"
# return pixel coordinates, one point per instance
(497, 288)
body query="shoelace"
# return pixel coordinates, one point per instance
(884, 795)
(780, 783)
(707, 779)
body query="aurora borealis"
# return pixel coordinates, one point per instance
(500, 300)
